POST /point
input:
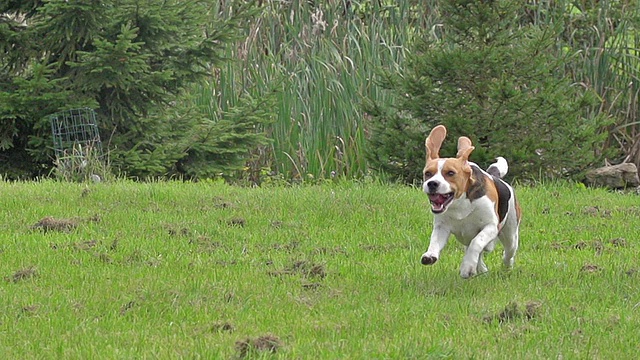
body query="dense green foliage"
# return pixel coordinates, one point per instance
(491, 77)
(132, 61)
(308, 66)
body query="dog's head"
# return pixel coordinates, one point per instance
(446, 179)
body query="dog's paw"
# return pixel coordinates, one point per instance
(467, 271)
(508, 263)
(428, 259)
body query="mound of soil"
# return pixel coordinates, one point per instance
(23, 274)
(514, 311)
(49, 223)
(265, 343)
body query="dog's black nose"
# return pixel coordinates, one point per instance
(432, 186)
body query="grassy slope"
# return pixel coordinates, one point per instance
(171, 270)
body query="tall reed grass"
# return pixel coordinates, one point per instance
(321, 59)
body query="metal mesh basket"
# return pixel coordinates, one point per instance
(75, 133)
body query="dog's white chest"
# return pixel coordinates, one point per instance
(466, 219)
(466, 231)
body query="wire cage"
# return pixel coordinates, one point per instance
(75, 134)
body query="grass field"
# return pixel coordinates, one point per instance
(205, 270)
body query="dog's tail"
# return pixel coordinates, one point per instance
(499, 168)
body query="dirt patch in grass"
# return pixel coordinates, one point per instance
(139, 257)
(221, 203)
(222, 327)
(91, 246)
(50, 223)
(596, 211)
(176, 230)
(619, 242)
(23, 274)
(590, 268)
(237, 222)
(289, 247)
(114, 245)
(266, 343)
(514, 311)
(381, 248)
(30, 309)
(330, 251)
(205, 244)
(104, 258)
(126, 307)
(304, 268)
(311, 285)
(225, 263)
(84, 245)
(598, 246)
(215, 328)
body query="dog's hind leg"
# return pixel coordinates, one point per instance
(482, 267)
(510, 239)
(490, 246)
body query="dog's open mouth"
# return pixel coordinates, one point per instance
(439, 202)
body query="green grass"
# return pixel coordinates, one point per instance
(182, 270)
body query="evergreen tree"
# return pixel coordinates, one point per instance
(495, 79)
(131, 60)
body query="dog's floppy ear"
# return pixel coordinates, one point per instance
(434, 141)
(464, 148)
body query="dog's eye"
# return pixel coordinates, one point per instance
(428, 174)
(451, 173)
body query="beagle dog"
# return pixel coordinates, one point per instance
(474, 205)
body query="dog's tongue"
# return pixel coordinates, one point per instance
(437, 199)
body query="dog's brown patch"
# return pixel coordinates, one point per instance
(461, 180)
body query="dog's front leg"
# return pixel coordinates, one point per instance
(439, 237)
(469, 265)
